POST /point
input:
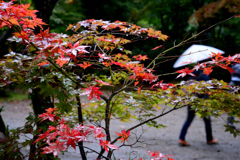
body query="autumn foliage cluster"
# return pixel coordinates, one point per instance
(61, 67)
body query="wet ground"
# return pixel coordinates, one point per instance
(163, 139)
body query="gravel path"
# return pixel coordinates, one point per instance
(163, 139)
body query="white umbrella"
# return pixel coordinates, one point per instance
(196, 53)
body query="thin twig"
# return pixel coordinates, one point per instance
(184, 42)
(146, 121)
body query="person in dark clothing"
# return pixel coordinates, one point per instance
(200, 76)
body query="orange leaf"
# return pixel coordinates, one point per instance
(105, 63)
(84, 65)
(43, 63)
(139, 90)
(185, 72)
(140, 57)
(135, 83)
(207, 71)
(14, 21)
(124, 135)
(231, 70)
(70, 26)
(61, 61)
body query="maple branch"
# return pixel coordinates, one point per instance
(107, 125)
(80, 120)
(166, 74)
(184, 42)
(137, 140)
(151, 119)
(116, 92)
(99, 34)
(18, 30)
(67, 75)
(107, 120)
(96, 152)
(110, 68)
(73, 80)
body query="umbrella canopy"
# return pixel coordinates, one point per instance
(194, 54)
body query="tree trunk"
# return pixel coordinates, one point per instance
(45, 8)
(80, 119)
(39, 102)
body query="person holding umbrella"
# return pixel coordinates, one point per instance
(195, 54)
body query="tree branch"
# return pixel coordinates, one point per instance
(183, 42)
(151, 119)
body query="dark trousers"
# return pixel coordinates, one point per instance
(190, 117)
(230, 120)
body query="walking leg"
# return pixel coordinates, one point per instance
(190, 116)
(208, 128)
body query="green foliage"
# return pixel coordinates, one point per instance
(233, 131)
(11, 148)
(218, 99)
(65, 13)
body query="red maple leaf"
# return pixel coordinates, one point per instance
(27, 23)
(51, 110)
(135, 83)
(162, 85)
(98, 134)
(45, 116)
(48, 115)
(118, 63)
(43, 63)
(140, 57)
(106, 63)
(185, 72)
(224, 66)
(158, 156)
(71, 135)
(231, 70)
(106, 145)
(150, 77)
(62, 61)
(42, 136)
(140, 75)
(218, 56)
(198, 66)
(92, 91)
(54, 148)
(22, 34)
(139, 90)
(124, 135)
(13, 21)
(84, 65)
(207, 70)
(76, 49)
(230, 59)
